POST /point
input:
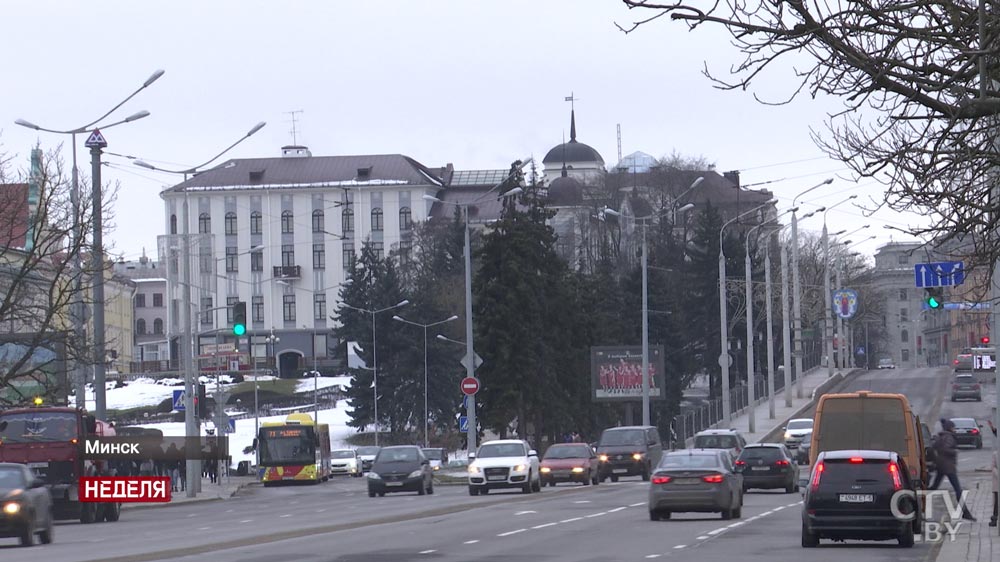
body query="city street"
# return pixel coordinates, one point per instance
(337, 521)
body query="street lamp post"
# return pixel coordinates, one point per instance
(97, 258)
(797, 289)
(828, 307)
(786, 339)
(375, 355)
(425, 326)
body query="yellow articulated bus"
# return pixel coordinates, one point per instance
(294, 450)
(870, 421)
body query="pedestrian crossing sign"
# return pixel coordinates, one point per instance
(179, 400)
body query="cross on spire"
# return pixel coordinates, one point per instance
(572, 116)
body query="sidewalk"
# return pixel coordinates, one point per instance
(764, 424)
(974, 541)
(225, 488)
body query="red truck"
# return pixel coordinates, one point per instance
(48, 439)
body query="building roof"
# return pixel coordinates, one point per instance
(565, 191)
(312, 172)
(572, 151)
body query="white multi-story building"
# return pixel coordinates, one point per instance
(280, 234)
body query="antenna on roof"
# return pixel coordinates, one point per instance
(619, 142)
(294, 121)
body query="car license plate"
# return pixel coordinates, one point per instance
(686, 481)
(393, 483)
(761, 468)
(857, 498)
(496, 477)
(38, 465)
(620, 470)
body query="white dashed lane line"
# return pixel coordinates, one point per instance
(474, 541)
(544, 525)
(509, 533)
(427, 551)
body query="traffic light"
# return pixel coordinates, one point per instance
(239, 318)
(934, 298)
(985, 340)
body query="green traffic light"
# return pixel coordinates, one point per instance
(933, 302)
(239, 329)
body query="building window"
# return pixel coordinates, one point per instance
(379, 248)
(255, 223)
(232, 260)
(173, 224)
(287, 255)
(205, 262)
(288, 307)
(902, 294)
(257, 260)
(206, 310)
(904, 336)
(158, 300)
(230, 303)
(158, 326)
(903, 259)
(231, 223)
(405, 251)
(140, 301)
(319, 306)
(348, 256)
(140, 327)
(318, 221)
(204, 223)
(904, 315)
(405, 219)
(287, 222)
(377, 220)
(347, 217)
(904, 355)
(319, 256)
(258, 308)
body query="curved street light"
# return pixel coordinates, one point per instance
(425, 326)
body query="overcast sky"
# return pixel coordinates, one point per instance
(474, 83)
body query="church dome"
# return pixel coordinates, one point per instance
(565, 192)
(572, 151)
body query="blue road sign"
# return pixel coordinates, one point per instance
(232, 425)
(179, 400)
(939, 274)
(463, 424)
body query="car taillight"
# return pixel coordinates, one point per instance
(897, 482)
(817, 473)
(713, 479)
(954, 387)
(857, 460)
(781, 462)
(661, 479)
(975, 386)
(741, 463)
(975, 432)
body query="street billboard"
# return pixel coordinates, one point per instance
(32, 365)
(615, 373)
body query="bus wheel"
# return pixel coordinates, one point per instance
(88, 512)
(112, 512)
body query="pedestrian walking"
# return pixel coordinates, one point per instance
(946, 453)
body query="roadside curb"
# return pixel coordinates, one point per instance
(134, 507)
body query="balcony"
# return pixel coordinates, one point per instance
(287, 271)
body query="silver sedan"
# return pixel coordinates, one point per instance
(699, 480)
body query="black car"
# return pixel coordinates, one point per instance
(628, 451)
(850, 496)
(25, 505)
(402, 468)
(768, 465)
(967, 432)
(802, 452)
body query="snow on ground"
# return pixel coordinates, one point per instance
(336, 418)
(307, 385)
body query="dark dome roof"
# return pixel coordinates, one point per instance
(572, 151)
(565, 192)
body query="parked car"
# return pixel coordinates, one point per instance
(850, 494)
(504, 463)
(695, 480)
(367, 456)
(345, 461)
(438, 458)
(26, 505)
(721, 439)
(570, 462)
(628, 451)
(796, 431)
(400, 468)
(967, 432)
(965, 386)
(768, 465)
(886, 363)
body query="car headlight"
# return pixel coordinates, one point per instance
(416, 473)
(602, 458)
(473, 469)
(437, 468)
(577, 469)
(546, 470)
(788, 435)
(374, 476)
(520, 468)
(637, 456)
(11, 508)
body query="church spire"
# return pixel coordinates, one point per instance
(572, 125)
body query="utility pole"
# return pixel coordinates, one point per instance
(95, 143)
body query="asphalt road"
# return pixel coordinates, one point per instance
(336, 521)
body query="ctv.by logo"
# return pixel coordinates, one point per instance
(933, 531)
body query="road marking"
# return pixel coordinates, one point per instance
(716, 531)
(509, 533)
(617, 509)
(247, 521)
(474, 541)
(702, 537)
(572, 519)
(544, 525)
(321, 510)
(582, 501)
(680, 546)
(229, 511)
(287, 515)
(204, 528)
(734, 525)
(780, 507)
(637, 504)
(596, 514)
(794, 504)
(192, 514)
(525, 512)
(427, 552)
(652, 556)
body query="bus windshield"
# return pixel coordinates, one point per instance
(285, 446)
(38, 427)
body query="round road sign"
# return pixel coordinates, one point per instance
(470, 385)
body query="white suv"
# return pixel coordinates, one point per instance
(504, 463)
